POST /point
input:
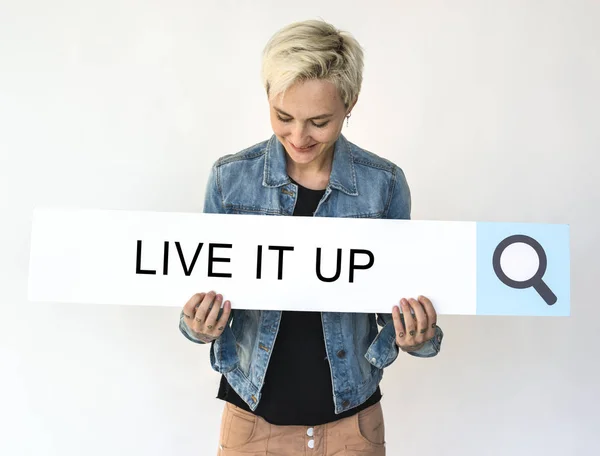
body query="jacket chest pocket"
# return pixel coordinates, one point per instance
(251, 209)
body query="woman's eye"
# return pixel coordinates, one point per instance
(286, 120)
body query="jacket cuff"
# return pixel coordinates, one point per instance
(183, 327)
(431, 347)
(223, 354)
(383, 351)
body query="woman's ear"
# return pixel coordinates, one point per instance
(351, 107)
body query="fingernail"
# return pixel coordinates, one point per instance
(219, 296)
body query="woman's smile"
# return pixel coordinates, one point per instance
(304, 149)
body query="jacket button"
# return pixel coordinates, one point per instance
(341, 354)
(345, 404)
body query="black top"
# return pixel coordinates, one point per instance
(297, 388)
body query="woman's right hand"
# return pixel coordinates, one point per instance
(201, 315)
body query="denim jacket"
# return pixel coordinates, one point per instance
(361, 184)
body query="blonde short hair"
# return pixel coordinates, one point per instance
(313, 49)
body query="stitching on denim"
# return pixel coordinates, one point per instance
(365, 215)
(353, 170)
(391, 193)
(336, 184)
(244, 154)
(267, 176)
(384, 166)
(219, 188)
(253, 209)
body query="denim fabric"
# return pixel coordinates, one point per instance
(255, 181)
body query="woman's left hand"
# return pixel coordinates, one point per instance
(420, 320)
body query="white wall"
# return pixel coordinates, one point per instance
(491, 108)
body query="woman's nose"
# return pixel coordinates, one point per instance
(298, 135)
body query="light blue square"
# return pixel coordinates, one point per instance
(496, 298)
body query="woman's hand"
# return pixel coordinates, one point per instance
(201, 313)
(420, 320)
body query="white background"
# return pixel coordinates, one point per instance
(491, 108)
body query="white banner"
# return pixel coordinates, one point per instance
(298, 263)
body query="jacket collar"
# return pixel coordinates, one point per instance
(342, 178)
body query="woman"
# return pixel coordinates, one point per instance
(316, 390)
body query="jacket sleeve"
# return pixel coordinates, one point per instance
(213, 199)
(384, 351)
(213, 204)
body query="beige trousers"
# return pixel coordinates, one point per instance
(245, 434)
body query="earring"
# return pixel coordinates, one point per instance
(348, 119)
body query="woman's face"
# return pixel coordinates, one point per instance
(308, 120)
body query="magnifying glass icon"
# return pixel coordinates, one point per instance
(535, 280)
